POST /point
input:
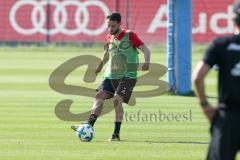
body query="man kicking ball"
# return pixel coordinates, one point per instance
(121, 56)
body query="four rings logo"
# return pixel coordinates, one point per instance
(60, 17)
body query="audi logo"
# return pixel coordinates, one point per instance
(38, 17)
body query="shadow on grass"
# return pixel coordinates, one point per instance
(166, 142)
(160, 142)
(212, 97)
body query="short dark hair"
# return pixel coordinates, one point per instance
(236, 10)
(115, 16)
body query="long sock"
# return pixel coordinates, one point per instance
(117, 128)
(92, 119)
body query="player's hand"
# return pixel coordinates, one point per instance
(98, 69)
(210, 112)
(145, 67)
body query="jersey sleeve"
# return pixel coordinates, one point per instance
(212, 53)
(136, 41)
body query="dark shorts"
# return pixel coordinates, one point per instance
(225, 135)
(122, 87)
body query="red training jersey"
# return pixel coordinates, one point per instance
(135, 40)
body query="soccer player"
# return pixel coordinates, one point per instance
(225, 118)
(121, 57)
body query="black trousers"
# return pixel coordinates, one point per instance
(225, 135)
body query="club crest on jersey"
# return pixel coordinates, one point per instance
(234, 47)
(236, 70)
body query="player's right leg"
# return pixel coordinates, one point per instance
(97, 107)
(104, 91)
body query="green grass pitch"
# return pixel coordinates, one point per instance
(30, 130)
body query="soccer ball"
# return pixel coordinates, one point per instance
(85, 132)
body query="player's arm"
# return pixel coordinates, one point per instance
(103, 61)
(210, 58)
(198, 77)
(147, 55)
(138, 43)
(199, 74)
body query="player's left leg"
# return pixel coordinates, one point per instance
(118, 117)
(118, 108)
(224, 140)
(122, 94)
